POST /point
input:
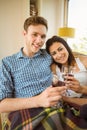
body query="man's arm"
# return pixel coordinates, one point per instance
(13, 104)
(47, 98)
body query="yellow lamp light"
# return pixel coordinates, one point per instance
(66, 32)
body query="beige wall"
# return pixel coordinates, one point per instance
(12, 16)
(14, 12)
(52, 10)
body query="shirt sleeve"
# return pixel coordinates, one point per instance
(6, 85)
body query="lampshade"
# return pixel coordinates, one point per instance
(66, 32)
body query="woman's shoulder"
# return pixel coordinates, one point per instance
(82, 57)
(83, 60)
(53, 68)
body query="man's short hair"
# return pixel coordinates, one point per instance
(35, 20)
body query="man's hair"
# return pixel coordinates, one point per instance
(35, 20)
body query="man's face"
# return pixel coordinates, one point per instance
(34, 39)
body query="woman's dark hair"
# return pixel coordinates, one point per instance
(50, 41)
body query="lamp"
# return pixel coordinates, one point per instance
(66, 31)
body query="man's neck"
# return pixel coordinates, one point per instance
(27, 53)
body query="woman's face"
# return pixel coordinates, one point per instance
(59, 53)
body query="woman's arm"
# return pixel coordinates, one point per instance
(53, 68)
(77, 101)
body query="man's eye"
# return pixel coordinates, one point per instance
(43, 36)
(35, 34)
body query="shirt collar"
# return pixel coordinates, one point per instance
(21, 55)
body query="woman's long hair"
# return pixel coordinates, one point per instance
(50, 41)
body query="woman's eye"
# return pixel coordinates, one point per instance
(52, 54)
(60, 49)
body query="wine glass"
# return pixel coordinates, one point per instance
(67, 71)
(56, 82)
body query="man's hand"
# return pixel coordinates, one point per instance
(51, 96)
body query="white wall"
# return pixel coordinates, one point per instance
(52, 10)
(12, 15)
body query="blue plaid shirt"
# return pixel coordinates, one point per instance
(21, 76)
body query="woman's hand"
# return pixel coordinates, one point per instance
(50, 96)
(73, 84)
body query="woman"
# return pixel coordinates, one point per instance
(62, 55)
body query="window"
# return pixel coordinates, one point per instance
(77, 18)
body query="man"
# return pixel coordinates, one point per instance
(25, 77)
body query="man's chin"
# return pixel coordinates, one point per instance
(35, 50)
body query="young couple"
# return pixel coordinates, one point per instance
(26, 91)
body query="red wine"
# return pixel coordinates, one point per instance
(68, 74)
(59, 83)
